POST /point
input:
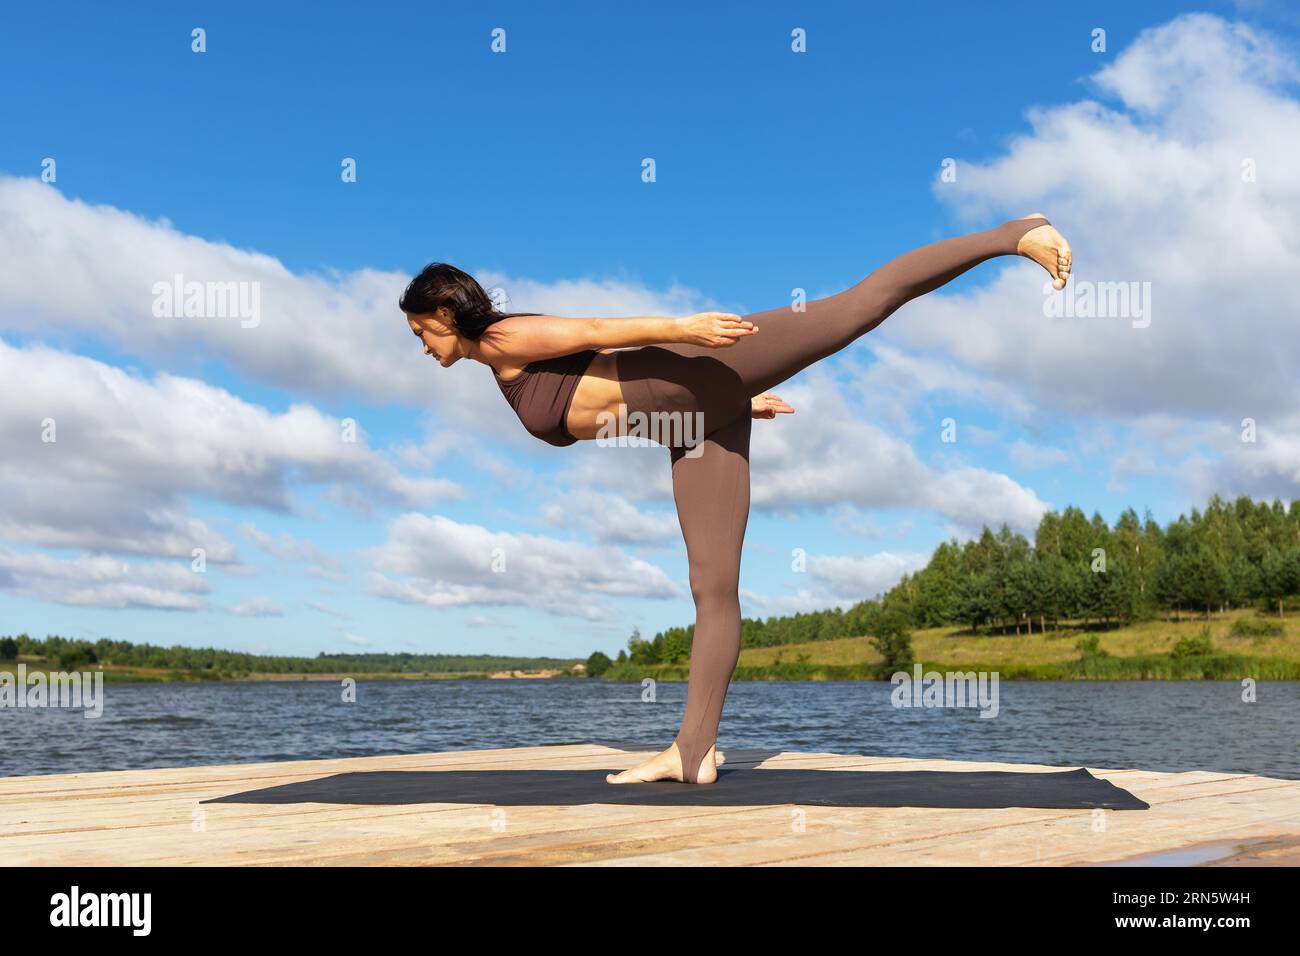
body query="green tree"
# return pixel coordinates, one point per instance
(1207, 578)
(894, 642)
(598, 663)
(70, 657)
(936, 587)
(639, 650)
(1281, 577)
(975, 599)
(1174, 585)
(861, 618)
(674, 646)
(1243, 581)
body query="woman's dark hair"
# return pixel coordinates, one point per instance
(439, 284)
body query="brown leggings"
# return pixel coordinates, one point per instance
(711, 485)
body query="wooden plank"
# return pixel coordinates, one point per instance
(148, 817)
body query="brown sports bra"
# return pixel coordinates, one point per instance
(542, 392)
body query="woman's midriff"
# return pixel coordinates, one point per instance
(599, 393)
(660, 381)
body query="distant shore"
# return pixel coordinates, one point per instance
(157, 675)
(1234, 645)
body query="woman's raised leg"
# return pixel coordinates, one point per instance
(790, 341)
(713, 381)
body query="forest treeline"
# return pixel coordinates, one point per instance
(1076, 569)
(70, 653)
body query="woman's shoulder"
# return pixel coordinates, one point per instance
(492, 344)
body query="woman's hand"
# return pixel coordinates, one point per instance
(768, 406)
(715, 330)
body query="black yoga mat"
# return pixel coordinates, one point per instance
(735, 787)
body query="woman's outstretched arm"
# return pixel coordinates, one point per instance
(518, 340)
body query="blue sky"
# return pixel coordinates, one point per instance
(774, 170)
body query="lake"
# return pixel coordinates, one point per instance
(1157, 725)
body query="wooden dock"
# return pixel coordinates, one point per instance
(181, 817)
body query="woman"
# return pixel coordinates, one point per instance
(566, 383)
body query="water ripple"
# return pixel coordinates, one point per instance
(1157, 725)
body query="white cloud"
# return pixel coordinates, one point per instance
(853, 577)
(892, 383)
(488, 620)
(612, 519)
(128, 452)
(639, 473)
(323, 608)
(830, 454)
(288, 548)
(436, 562)
(1032, 457)
(1266, 468)
(756, 604)
(837, 580)
(257, 607)
(96, 580)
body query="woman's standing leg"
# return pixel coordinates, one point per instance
(712, 495)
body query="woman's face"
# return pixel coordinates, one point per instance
(438, 337)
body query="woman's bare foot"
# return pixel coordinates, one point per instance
(668, 766)
(1048, 248)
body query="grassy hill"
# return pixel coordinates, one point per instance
(1240, 644)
